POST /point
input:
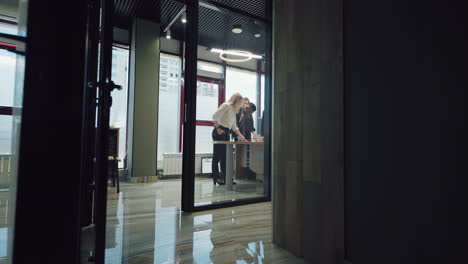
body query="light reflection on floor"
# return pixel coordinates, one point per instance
(4, 195)
(145, 225)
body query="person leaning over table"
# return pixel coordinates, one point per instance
(224, 120)
(245, 121)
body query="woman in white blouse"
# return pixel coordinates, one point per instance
(224, 120)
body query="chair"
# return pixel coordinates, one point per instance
(113, 159)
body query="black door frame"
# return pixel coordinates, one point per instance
(47, 226)
(58, 117)
(190, 85)
(190, 101)
(89, 112)
(105, 87)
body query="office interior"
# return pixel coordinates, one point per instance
(105, 124)
(148, 116)
(216, 81)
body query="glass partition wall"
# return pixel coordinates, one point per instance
(228, 149)
(119, 107)
(215, 53)
(202, 63)
(12, 66)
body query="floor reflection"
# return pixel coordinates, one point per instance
(4, 195)
(145, 225)
(206, 193)
(114, 233)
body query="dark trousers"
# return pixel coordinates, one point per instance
(219, 154)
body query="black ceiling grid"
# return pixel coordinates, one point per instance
(124, 10)
(214, 27)
(215, 30)
(169, 9)
(255, 7)
(149, 10)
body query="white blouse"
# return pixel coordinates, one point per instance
(226, 117)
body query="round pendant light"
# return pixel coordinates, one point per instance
(245, 55)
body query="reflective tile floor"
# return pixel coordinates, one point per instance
(207, 193)
(4, 225)
(145, 226)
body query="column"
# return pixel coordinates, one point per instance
(143, 101)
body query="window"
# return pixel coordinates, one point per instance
(8, 29)
(262, 95)
(204, 142)
(11, 96)
(169, 106)
(210, 67)
(118, 113)
(241, 81)
(7, 75)
(207, 100)
(244, 82)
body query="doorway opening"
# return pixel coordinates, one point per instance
(177, 69)
(229, 54)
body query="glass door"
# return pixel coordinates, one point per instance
(96, 154)
(233, 169)
(210, 95)
(12, 48)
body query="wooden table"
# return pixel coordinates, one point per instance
(230, 158)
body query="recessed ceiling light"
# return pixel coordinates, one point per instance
(257, 35)
(237, 28)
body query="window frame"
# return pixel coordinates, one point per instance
(221, 96)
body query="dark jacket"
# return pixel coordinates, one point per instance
(245, 124)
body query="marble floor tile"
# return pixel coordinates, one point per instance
(145, 226)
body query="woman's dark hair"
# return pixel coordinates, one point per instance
(253, 107)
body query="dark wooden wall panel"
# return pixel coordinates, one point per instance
(406, 133)
(308, 129)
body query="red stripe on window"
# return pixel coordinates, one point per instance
(8, 45)
(205, 123)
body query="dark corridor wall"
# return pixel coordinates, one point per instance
(405, 141)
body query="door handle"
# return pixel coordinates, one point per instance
(112, 86)
(102, 84)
